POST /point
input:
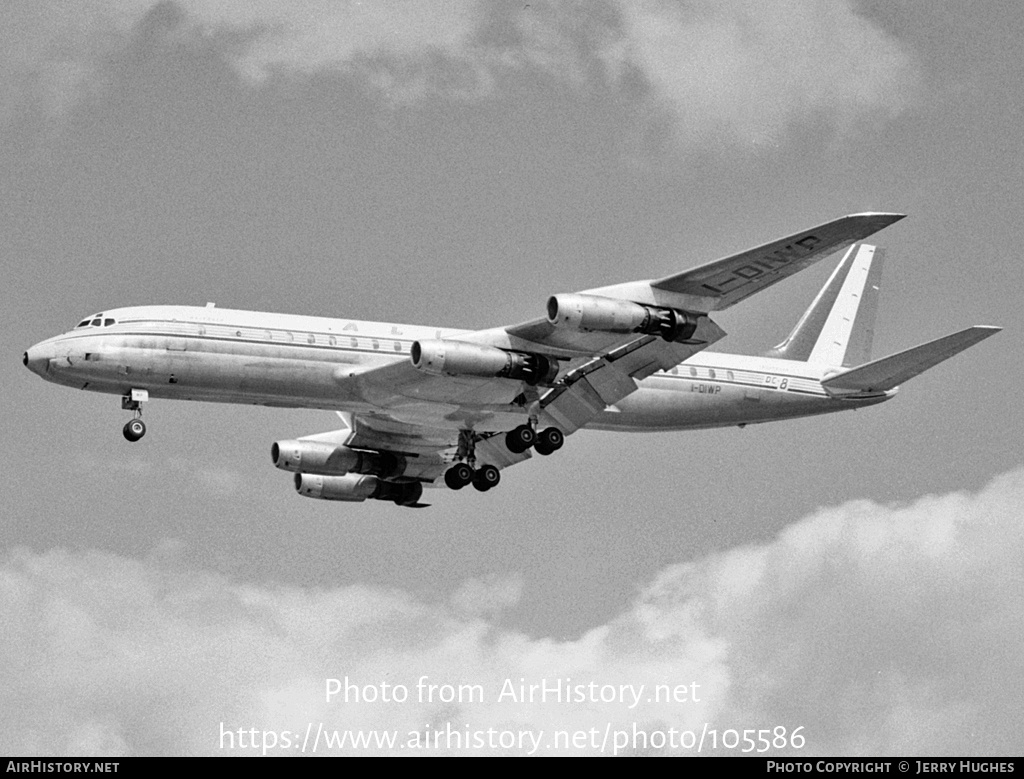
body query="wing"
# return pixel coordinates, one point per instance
(420, 411)
(725, 282)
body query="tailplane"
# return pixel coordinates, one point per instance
(838, 328)
(885, 374)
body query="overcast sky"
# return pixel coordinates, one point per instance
(453, 164)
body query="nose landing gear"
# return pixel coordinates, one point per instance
(136, 428)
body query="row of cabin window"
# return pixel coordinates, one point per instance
(332, 340)
(711, 373)
(310, 338)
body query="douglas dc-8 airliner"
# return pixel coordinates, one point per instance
(423, 405)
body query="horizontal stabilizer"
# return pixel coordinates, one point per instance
(889, 372)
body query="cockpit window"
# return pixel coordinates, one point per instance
(96, 320)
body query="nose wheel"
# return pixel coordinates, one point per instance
(134, 430)
(133, 401)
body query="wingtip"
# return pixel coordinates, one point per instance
(882, 216)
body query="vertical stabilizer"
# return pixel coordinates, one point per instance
(838, 328)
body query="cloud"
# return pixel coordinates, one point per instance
(735, 70)
(751, 69)
(876, 629)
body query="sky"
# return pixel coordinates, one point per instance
(453, 164)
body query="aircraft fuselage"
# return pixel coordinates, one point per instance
(246, 357)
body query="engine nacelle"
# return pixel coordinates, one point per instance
(319, 457)
(591, 313)
(355, 488)
(455, 358)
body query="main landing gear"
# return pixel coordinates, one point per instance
(462, 473)
(545, 442)
(133, 401)
(483, 478)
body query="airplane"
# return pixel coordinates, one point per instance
(426, 406)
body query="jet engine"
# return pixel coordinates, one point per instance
(456, 358)
(354, 487)
(610, 315)
(318, 457)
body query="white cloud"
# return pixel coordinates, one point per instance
(737, 70)
(750, 68)
(878, 629)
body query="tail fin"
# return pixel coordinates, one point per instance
(885, 374)
(839, 326)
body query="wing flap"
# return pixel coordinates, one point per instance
(588, 390)
(889, 372)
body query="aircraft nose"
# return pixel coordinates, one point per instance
(37, 359)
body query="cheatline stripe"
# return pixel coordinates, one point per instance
(391, 339)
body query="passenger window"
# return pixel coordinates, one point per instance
(729, 374)
(355, 343)
(398, 346)
(333, 341)
(711, 372)
(311, 339)
(693, 372)
(376, 344)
